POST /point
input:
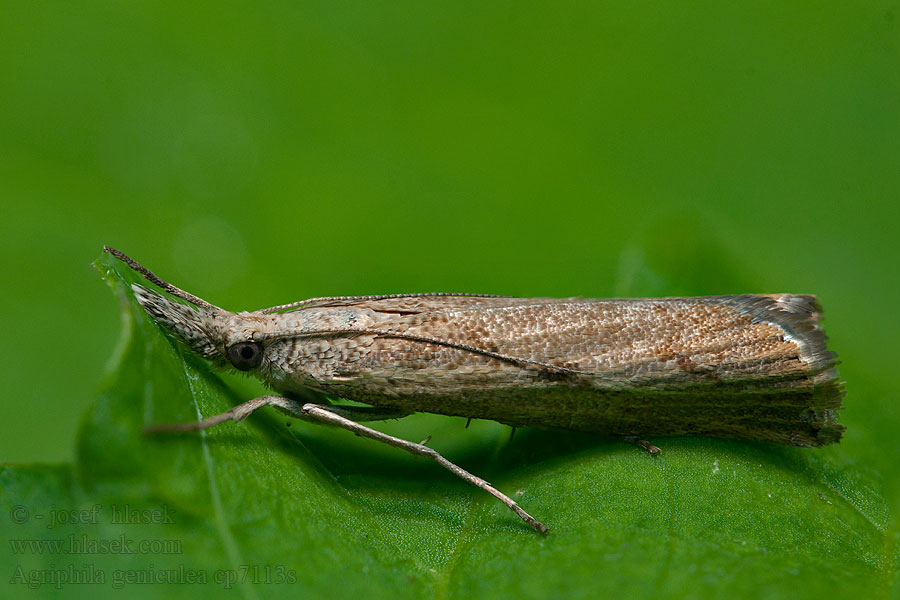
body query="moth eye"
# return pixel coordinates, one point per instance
(245, 355)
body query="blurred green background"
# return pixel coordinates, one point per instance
(256, 153)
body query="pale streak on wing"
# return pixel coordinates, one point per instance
(420, 303)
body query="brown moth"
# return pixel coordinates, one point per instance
(745, 366)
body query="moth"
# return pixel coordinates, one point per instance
(749, 366)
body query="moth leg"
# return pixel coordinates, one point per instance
(367, 413)
(286, 405)
(637, 441)
(327, 415)
(236, 414)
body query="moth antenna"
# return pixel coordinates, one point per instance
(327, 299)
(151, 277)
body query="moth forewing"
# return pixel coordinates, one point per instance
(739, 366)
(753, 367)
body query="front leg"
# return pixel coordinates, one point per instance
(236, 414)
(285, 405)
(335, 416)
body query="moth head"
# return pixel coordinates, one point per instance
(194, 327)
(212, 333)
(209, 331)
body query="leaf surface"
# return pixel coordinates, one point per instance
(265, 508)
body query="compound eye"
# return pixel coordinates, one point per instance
(245, 355)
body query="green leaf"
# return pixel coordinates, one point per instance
(267, 508)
